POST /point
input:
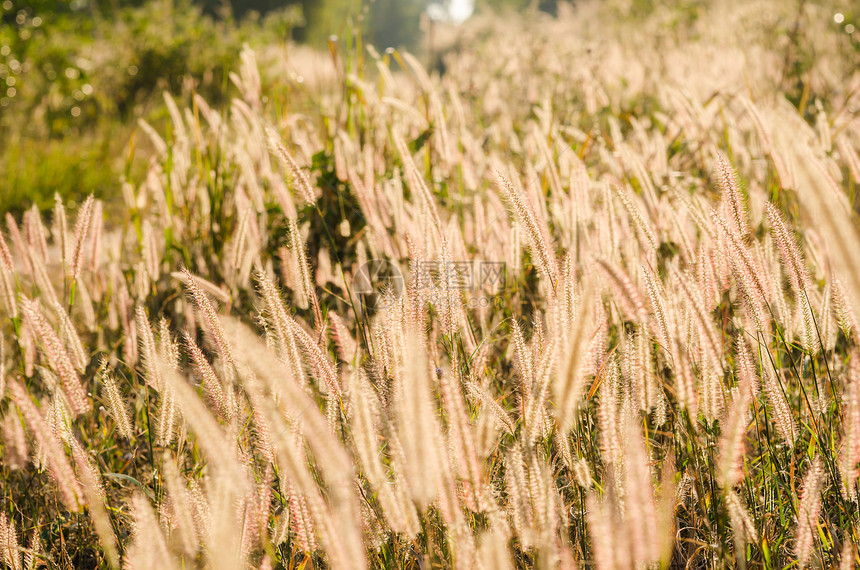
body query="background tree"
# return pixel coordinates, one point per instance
(548, 6)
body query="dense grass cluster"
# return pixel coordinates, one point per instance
(626, 335)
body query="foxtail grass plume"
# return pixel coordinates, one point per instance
(58, 357)
(52, 448)
(808, 510)
(9, 550)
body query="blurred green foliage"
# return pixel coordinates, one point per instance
(75, 77)
(384, 23)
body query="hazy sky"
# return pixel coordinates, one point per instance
(461, 9)
(458, 10)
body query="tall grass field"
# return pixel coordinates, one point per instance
(577, 292)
